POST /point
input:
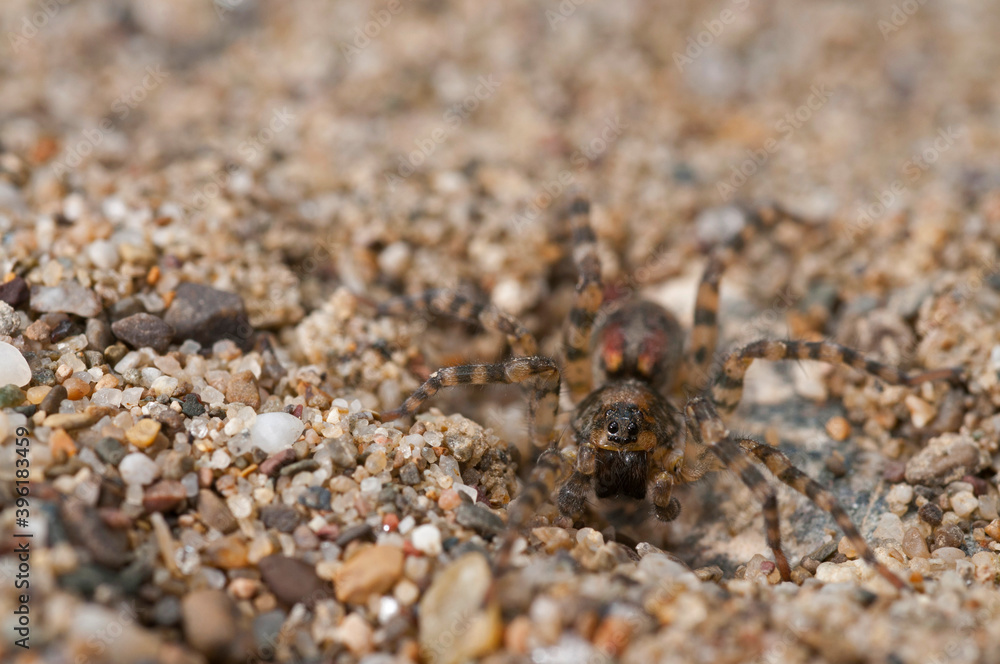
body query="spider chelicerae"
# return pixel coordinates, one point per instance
(625, 437)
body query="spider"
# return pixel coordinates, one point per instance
(626, 437)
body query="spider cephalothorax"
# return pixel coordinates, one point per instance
(626, 437)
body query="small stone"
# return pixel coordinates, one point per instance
(950, 536)
(164, 386)
(207, 315)
(993, 530)
(914, 544)
(68, 297)
(209, 619)
(15, 292)
(316, 498)
(480, 519)
(426, 539)
(944, 459)
(10, 322)
(243, 389)
(921, 412)
(139, 469)
(14, 369)
(372, 571)
(144, 330)
(143, 433)
(98, 334)
(69, 420)
(343, 452)
(11, 395)
(61, 445)
(164, 496)
(930, 513)
(274, 432)
(356, 635)
(38, 330)
(292, 580)
(409, 474)
(303, 466)
(449, 500)
(964, 503)
(192, 407)
(214, 512)
(949, 553)
(442, 608)
(899, 498)
(75, 388)
(229, 552)
(110, 451)
(273, 464)
(36, 394)
(115, 353)
(281, 517)
(43, 377)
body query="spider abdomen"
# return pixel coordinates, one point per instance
(640, 340)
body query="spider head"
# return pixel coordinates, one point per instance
(623, 427)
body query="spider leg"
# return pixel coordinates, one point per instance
(589, 296)
(782, 468)
(444, 302)
(705, 331)
(727, 387)
(706, 424)
(538, 373)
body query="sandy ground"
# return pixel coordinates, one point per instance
(314, 158)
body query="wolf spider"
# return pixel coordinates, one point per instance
(626, 437)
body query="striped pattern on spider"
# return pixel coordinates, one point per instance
(626, 438)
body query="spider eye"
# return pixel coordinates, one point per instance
(633, 430)
(613, 427)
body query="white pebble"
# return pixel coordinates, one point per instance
(371, 485)
(274, 432)
(108, 396)
(129, 361)
(964, 503)
(899, 498)
(164, 385)
(138, 469)
(212, 396)
(14, 369)
(427, 539)
(406, 525)
(131, 396)
(240, 505)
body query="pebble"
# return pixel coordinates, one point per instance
(274, 432)
(10, 322)
(164, 386)
(274, 463)
(207, 315)
(921, 412)
(356, 635)
(950, 536)
(143, 433)
(138, 469)
(52, 400)
(243, 389)
(69, 420)
(409, 474)
(209, 619)
(39, 330)
(15, 292)
(36, 394)
(11, 396)
(964, 503)
(343, 452)
(480, 519)
(930, 513)
(944, 459)
(292, 580)
(110, 451)
(98, 334)
(192, 407)
(281, 517)
(214, 512)
(14, 369)
(229, 552)
(838, 428)
(914, 544)
(68, 297)
(316, 498)
(899, 498)
(164, 496)
(449, 500)
(374, 570)
(442, 608)
(426, 539)
(76, 389)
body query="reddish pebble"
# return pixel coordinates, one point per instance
(449, 500)
(76, 388)
(390, 522)
(410, 550)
